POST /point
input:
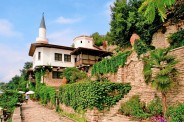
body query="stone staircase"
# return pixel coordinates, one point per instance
(113, 114)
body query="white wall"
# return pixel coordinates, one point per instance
(48, 57)
(86, 42)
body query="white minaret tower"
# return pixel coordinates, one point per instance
(42, 32)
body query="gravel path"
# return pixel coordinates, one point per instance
(34, 112)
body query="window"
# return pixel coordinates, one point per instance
(39, 55)
(56, 75)
(67, 58)
(81, 41)
(58, 57)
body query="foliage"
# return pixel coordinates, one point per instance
(110, 65)
(98, 39)
(46, 94)
(134, 108)
(9, 99)
(83, 95)
(17, 83)
(73, 116)
(126, 19)
(164, 76)
(141, 47)
(137, 109)
(155, 107)
(177, 39)
(24, 74)
(176, 113)
(73, 74)
(150, 7)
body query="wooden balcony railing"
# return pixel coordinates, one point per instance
(85, 62)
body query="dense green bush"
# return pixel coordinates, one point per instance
(46, 94)
(83, 95)
(141, 47)
(9, 99)
(134, 108)
(110, 65)
(137, 109)
(155, 107)
(73, 74)
(177, 39)
(176, 113)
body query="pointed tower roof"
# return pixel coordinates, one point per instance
(42, 24)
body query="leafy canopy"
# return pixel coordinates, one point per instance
(125, 19)
(73, 74)
(159, 70)
(151, 7)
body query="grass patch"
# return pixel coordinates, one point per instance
(73, 116)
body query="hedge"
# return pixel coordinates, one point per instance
(83, 95)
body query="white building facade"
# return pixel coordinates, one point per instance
(57, 57)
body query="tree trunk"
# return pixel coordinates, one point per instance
(164, 104)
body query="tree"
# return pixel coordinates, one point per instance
(73, 74)
(27, 65)
(160, 72)
(125, 19)
(151, 7)
(98, 39)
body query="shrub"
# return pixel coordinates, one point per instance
(46, 94)
(155, 107)
(83, 95)
(9, 99)
(134, 108)
(141, 47)
(177, 39)
(73, 74)
(176, 113)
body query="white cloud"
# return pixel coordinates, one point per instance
(12, 61)
(63, 20)
(62, 37)
(6, 29)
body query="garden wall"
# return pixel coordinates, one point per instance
(177, 95)
(159, 39)
(133, 73)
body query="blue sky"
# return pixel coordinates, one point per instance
(65, 19)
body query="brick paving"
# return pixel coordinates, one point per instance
(34, 112)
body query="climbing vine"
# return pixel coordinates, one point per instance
(110, 65)
(177, 39)
(90, 94)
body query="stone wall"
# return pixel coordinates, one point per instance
(90, 115)
(160, 38)
(177, 94)
(133, 73)
(49, 81)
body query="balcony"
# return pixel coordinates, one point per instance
(85, 62)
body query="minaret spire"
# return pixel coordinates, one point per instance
(42, 24)
(42, 32)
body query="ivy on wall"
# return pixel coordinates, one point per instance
(141, 47)
(42, 92)
(110, 65)
(83, 95)
(177, 39)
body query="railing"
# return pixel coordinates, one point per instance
(85, 62)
